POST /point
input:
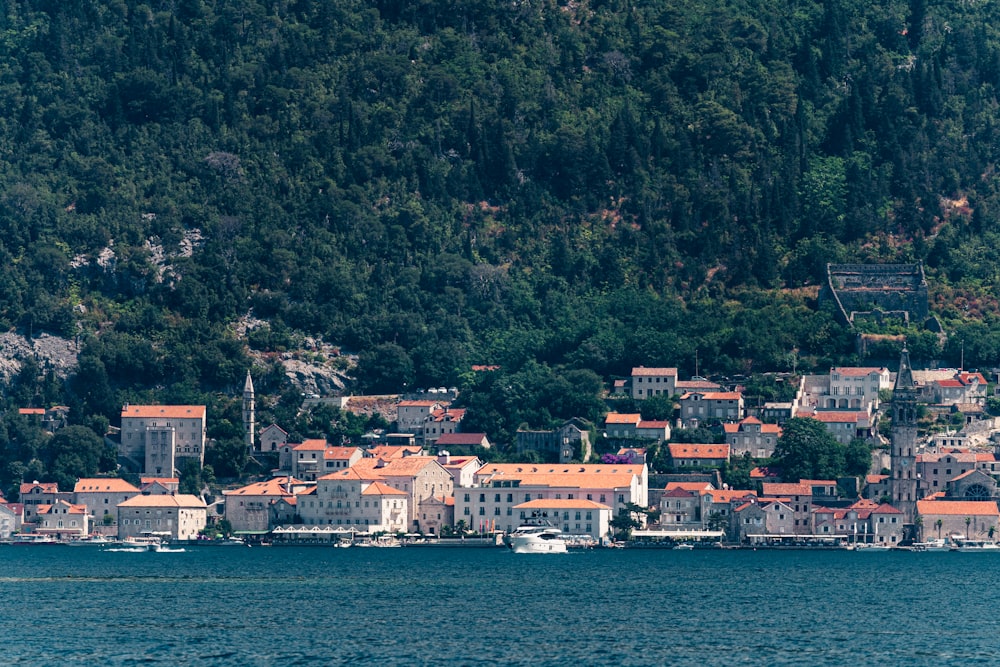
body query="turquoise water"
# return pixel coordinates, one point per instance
(322, 606)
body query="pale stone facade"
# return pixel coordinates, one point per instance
(151, 429)
(182, 516)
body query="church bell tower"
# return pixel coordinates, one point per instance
(904, 484)
(249, 413)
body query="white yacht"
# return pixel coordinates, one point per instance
(537, 539)
(966, 544)
(940, 544)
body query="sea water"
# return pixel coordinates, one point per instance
(425, 606)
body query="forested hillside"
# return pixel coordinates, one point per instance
(566, 189)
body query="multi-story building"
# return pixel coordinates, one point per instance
(576, 516)
(698, 455)
(442, 422)
(9, 521)
(63, 520)
(499, 487)
(752, 436)
(856, 388)
(355, 500)
(756, 519)
(421, 477)
(411, 416)
(248, 508)
(802, 497)
(699, 406)
(648, 382)
(35, 494)
(181, 516)
(101, 495)
(159, 439)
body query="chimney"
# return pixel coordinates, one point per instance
(444, 457)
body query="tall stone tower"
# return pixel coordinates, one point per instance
(904, 484)
(249, 413)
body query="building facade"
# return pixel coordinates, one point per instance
(179, 427)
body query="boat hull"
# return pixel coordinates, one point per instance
(533, 545)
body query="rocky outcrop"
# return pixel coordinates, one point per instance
(50, 352)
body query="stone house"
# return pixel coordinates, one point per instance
(648, 382)
(63, 520)
(698, 407)
(181, 516)
(102, 495)
(35, 494)
(761, 517)
(752, 436)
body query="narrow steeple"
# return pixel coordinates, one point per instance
(904, 378)
(249, 413)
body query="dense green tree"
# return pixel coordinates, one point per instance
(806, 450)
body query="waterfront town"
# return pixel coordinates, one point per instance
(424, 482)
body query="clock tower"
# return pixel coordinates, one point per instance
(904, 484)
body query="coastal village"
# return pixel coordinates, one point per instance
(429, 481)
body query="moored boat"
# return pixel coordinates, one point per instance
(537, 538)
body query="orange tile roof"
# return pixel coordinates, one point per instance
(601, 475)
(161, 480)
(313, 444)
(418, 404)
(658, 424)
(166, 411)
(70, 508)
(715, 395)
(689, 486)
(355, 473)
(958, 507)
(104, 485)
(622, 418)
(31, 411)
(850, 371)
(642, 371)
(561, 503)
(838, 417)
(686, 450)
(381, 489)
(276, 486)
(392, 451)
(779, 489)
(340, 452)
(886, 508)
(447, 414)
(46, 487)
(728, 495)
(764, 428)
(403, 467)
(177, 500)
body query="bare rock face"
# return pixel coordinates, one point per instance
(314, 379)
(51, 352)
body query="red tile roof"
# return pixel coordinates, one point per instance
(684, 450)
(958, 507)
(642, 371)
(622, 418)
(165, 411)
(104, 485)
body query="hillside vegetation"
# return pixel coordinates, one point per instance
(566, 189)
